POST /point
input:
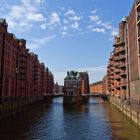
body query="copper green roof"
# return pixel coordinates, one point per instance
(2, 20)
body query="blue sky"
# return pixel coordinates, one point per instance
(67, 34)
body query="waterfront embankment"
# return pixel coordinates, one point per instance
(131, 110)
(18, 105)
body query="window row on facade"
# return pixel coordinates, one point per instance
(21, 73)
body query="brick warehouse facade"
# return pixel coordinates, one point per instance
(104, 84)
(76, 83)
(85, 82)
(123, 72)
(117, 68)
(96, 88)
(21, 73)
(134, 51)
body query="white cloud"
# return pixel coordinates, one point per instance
(70, 12)
(107, 25)
(22, 17)
(95, 18)
(72, 15)
(54, 19)
(100, 26)
(98, 30)
(35, 17)
(64, 33)
(39, 42)
(38, 2)
(43, 26)
(27, 14)
(71, 21)
(97, 24)
(114, 32)
(76, 18)
(95, 74)
(75, 26)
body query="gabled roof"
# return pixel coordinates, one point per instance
(2, 20)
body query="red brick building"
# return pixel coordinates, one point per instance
(21, 68)
(134, 51)
(118, 68)
(123, 74)
(43, 79)
(104, 87)
(21, 73)
(50, 82)
(76, 83)
(8, 46)
(85, 82)
(96, 88)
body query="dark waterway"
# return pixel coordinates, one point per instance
(97, 120)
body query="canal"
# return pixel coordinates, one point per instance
(97, 120)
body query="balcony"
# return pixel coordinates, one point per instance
(112, 77)
(117, 77)
(108, 74)
(123, 73)
(138, 5)
(120, 50)
(122, 65)
(112, 69)
(117, 71)
(138, 20)
(116, 50)
(117, 86)
(116, 64)
(120, 42)
(116, 58)
(122, 57)
(123, 82)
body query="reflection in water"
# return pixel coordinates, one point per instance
(122, 128)
(97, 120)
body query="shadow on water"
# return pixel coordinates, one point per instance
(16, 127)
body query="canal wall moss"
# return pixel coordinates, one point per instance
(130, 110)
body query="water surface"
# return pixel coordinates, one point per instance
(97, 120)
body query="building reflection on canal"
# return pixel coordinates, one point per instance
(97, 120)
